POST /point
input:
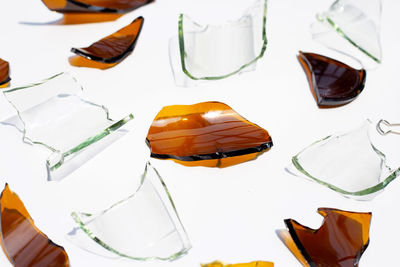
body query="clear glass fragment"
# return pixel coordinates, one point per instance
(52, 114)
(215, 52)
(250, 264)
(4, 73)
(388, 127)
(348, 163)
(144, 226)
(352, 27)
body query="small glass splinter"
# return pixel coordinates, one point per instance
(339, 242)
(332, 83)
(207, 134)
(4, 73)
(110, 50)
(22, 242)
(250, 264)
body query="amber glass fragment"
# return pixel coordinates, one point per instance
(207, 134)
(110, 50)
(339, 242)
(23, 243)
(106, 6)
(332, 82)
(250, 264)
(4, 73)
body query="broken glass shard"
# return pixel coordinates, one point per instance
(387, 128)
(332, 82)
(348, 163)
(144, 226)
(340, 241)
(352, 27)
(4, 73)
(250, 264)
(213, 52)
(207, 134)
(52, 114)
(22, 242)
(110, 50)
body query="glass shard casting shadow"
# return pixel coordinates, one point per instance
(22, 242)
(347, 163)
(195, 56)
(144, 226)
(352, 27)
(52, 114)
(110, 50)
(208, 134)
(339, 242)
(332, 82)
(4, 73)
(250, 264)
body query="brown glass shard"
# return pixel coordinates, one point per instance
(23, 243)
(4, 73)
(340, 241)
(207, 134)
(332, 82)
(250, 264)
(110, 50)
(88, 6)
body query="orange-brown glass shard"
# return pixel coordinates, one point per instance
(332, 82)
(208, 134)
(4, 73)
(250, 264)
(88, 6)
(339, 242)
(110, 50)
(23, 243)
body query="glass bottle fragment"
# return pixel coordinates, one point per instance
(4, 73)
(250, 264)
(207, 134)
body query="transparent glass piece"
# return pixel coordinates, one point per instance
(22, 242)
(250, 264)
(143, 226)
(388, 127)
(4, 73)
(348, 163)
(215, 52)
(352, 27)
(110, 50)
(340, 241)
(52, 114)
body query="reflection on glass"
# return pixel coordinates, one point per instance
(340, 241)
(52, 113)
(207, 134)
(22, 242)
(4, 73)
(347, 163)
(250, 264)
(332, 82)
(213, 52)
(143, 226)
(353, 28)
(110, 50)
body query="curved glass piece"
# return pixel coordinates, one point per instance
(353, 28)
(250, 264)
(51, 113)
(387, 129)
(195, 55)
(22, 242)
(347, 163)
(207, 134)
(340, 241)
(4, 73)
(144, 226)
(110, 50)
(332, 82)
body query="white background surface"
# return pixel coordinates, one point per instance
(230, 214)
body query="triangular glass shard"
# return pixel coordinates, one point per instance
(194, 55)
(4, 73)
(340, 241)
(22, 242)
(144, 226)
(353, 28)
(347, 163)
(110, 50)
(332, 82)
(209, 134)
(250, 264)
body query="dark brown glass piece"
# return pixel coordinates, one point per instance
(88, 6)
(339, 242)
(110, 50)
(205, 134)
(332, 82)
(23, 243)
(250, 264)
(4, 73)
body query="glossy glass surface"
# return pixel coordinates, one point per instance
(106, 6)
(4, 73)
(332, 82)
(110, 50)
(205, 134)
(339, 242)
(23, 243)
(250, 264)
